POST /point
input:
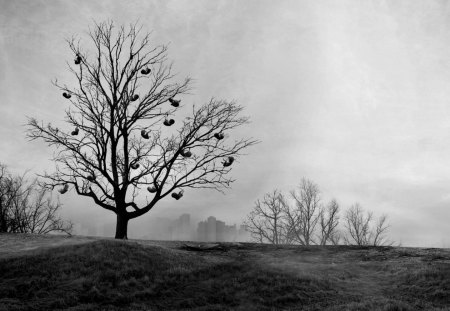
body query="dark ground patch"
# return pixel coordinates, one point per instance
(152, 275)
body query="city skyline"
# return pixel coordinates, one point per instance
(175, 229)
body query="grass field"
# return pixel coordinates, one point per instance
(80, 273)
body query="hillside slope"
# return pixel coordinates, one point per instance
(94, 274)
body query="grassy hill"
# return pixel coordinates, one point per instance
(78, 273)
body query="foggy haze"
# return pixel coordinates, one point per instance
(353, 95)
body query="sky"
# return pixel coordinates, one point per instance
(353, 95)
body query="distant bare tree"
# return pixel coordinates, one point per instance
(7, 194)
(303, 218)
(121, 140)
(329, 221)
(379, 234)
(27, 207)
(358, 226)
(304, 222)
(266, 221)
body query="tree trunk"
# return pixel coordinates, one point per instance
(121, 227)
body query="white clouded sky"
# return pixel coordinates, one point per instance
(351, 94)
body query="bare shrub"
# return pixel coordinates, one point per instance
(266, 221)
(360, 229)
(27, 207)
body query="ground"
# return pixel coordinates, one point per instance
(46, 272)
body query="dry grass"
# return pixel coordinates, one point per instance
(151, 275)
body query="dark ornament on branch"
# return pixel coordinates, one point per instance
(174, 102)
(75, 132)
(178, 195)
(186, 153)
(168, 122)
(219, 136)
(151, 189)
(228, 162)
(67, 95)
(77, 60)
(145, 71)
(134, 97)
(135, 166)
(64, 189)
(144, 134)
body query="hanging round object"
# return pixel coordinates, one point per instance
(186, 153)
(178, 195)
(77, 60)
(135, 166)
(145, 71)
(174, 102)
(144, 134)
(151, 189)
(168, 122)
(219, 136)
(228, 162)
(134, 97)
(75, 132)
(91, 178)
(67, 95)
(64, 189)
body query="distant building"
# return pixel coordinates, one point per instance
(182, 228)
(211, 227)
(220, 231)
(201, 231)
(213, 230)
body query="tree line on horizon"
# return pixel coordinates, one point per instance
(301, 218)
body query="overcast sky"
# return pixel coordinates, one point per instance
(354, 95)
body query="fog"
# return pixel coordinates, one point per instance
(350, 94)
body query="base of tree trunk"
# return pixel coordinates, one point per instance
(121, 227)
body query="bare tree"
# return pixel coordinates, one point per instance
(379, 233)
(122, 141)
(305, 222)
(302, 219)
(7, 193)
(26, 207)
(358, 225)
(266, 221)
(329, 221)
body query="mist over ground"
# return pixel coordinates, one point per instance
(352, 95)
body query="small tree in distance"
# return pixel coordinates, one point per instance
(329, 221)
(123, 141)
(308, 222)
(26, 207)
(305, 222)
(266, 223)
(359, 226)
(304, 216)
